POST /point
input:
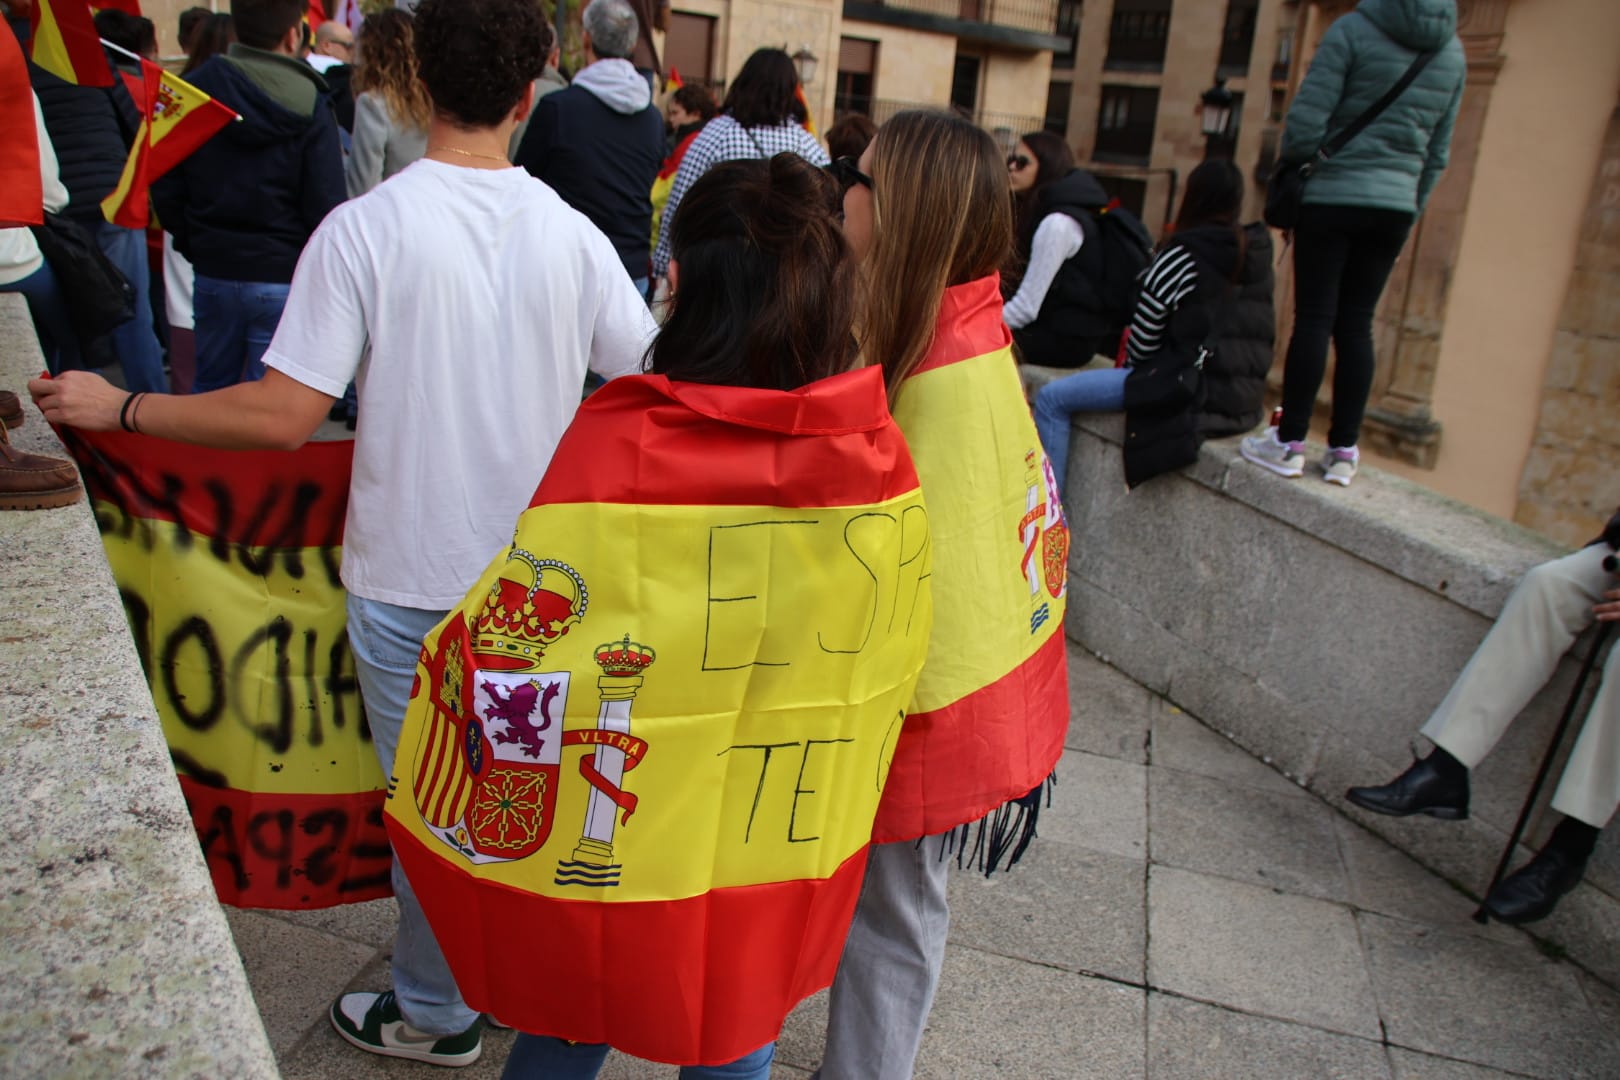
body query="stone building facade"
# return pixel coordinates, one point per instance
(1498, 378)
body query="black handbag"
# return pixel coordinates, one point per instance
(1175, 384)
(98, 295)
(1285, 191)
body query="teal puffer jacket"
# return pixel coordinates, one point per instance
(1394, 163)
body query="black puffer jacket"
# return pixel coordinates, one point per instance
(91, 129)
(1243, 318)
(1071, 308)
(1235, 377)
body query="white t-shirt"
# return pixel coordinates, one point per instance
(466, 304)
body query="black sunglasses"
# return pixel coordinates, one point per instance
(1017, 162)
(844, 171)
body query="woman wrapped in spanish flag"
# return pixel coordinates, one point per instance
(927, 210)
(642, 761)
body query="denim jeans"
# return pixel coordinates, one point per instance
(235, 321)
(1094, 390)
(134, 342)
(385, 639)
(53, 323)
(1342, 259)
(541, 1057)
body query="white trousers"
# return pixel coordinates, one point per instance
(1546, 612)
(891, 963)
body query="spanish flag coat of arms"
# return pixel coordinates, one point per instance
(640, 766)
(992, 706)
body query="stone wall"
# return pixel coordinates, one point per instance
(119, 962)
(1571, 482)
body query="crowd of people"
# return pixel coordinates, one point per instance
(430, 226)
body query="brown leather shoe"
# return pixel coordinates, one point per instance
(33, 481)
(11, 411)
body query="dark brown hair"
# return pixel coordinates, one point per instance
(697, 100)
(848, 136)
(764, 92)
(262, 24)
(765, 288)
(476, 57)
(1053, 161)
(210, 38)
(940, 217)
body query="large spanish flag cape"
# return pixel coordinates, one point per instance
(992, 707)
(636, 782)
(228, 566)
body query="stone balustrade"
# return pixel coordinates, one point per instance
(119, 961)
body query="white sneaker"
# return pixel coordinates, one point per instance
(1282, 458)
(1339, 467)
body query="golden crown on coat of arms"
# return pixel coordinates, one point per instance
(530, 606)
(625, 657)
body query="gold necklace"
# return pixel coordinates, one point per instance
(468, 153)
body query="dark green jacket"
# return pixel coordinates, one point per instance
(1394, 163)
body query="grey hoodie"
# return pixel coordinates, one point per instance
(1394, 163)
(616, 84)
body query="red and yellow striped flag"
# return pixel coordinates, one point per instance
(992, 706)
(636, 782)
(64, 42)
(228, 565)
(176, 118)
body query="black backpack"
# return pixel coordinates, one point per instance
(1126, 249)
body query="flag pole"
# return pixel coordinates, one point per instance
(139, 59)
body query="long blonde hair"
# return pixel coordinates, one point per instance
(387, 67)
(941, 216)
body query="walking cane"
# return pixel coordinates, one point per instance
(1598, 640)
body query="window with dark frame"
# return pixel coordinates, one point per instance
(1125, 121)
(1058, 96)
(1237, 39)
(965, 83)
(1068, 28)
(689, 46)
(1138, 34)
(857, 67)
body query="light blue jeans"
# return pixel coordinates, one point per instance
(135, 342)
(385, 639)
(235, 321)
(1094, 390)
(541, 1057)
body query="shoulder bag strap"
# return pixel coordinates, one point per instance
(1356, 126)
(760, 149)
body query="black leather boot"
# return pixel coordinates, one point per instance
(1422, 789)
(1531, 892)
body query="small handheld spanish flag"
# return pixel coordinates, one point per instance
(638, 773)
(176, 119)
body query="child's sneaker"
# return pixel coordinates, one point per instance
(1339, 467)
(373, 1022)
(1282, 458)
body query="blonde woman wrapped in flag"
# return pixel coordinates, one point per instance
(927, 210)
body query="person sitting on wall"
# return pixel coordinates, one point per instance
(1550, 607)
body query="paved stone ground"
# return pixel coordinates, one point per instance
(1186, 913)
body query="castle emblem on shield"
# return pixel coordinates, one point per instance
(490, 759)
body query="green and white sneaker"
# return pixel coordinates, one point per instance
(373, 1022)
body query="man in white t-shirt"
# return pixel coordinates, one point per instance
(466, 300)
